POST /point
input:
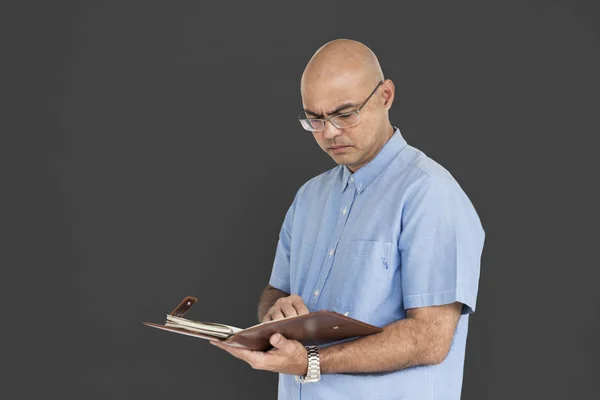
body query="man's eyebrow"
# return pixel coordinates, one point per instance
(337, 110)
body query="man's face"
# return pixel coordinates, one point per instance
(354, 146)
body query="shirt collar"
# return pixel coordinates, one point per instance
(367, 173)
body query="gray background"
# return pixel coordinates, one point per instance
(158, 151)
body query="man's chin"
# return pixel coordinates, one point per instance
(344, 160)
(340, 158)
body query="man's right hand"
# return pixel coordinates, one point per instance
(288, 306)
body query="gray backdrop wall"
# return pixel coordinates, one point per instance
(158, 150)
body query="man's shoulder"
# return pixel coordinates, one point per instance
(420, 173)
(420, 168)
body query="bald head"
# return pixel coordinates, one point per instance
(336, 83)
(347, 61)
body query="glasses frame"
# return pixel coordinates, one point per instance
(333, 117)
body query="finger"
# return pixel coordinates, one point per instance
(249, 356)
(268, 315)
(300, 307)
(234, 351)
(288, 310)
(277, 314)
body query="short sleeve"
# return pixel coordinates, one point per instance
(280, 274)
(440, 243)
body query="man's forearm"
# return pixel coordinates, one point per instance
(402, 344)
(268, 297)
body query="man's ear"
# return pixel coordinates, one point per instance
(389, 89)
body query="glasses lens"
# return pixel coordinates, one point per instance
(312, 124)
(345, 120)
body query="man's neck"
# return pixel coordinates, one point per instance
(390, 132)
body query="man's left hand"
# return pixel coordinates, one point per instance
(287, 356)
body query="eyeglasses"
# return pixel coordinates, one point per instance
(340, 121)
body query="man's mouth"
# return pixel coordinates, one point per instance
(338, 149)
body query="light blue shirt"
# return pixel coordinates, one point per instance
(397, 234)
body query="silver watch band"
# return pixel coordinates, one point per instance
(313, 374)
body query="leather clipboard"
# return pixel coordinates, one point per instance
(320, 327)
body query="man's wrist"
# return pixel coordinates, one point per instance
(313, 370)
(305, 365)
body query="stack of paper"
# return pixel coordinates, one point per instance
(220, 331)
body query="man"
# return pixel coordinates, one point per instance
(387, 236)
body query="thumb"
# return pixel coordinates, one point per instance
(281, 343)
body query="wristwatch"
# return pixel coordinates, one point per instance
(313, 374)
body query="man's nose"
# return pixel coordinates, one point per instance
(330, 131)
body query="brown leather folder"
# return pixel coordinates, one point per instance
(316, 328)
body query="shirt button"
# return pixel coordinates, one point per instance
(297, 378)
(351, 179)
(316, 292)
(331, 253)
(345, 210)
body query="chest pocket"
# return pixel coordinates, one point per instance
(364, 276)
(369, 249)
